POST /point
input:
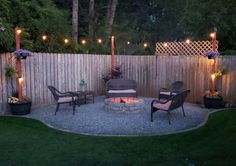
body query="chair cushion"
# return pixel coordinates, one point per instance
(64, 99)
(122, 91)
(162, 106)
(166, 93)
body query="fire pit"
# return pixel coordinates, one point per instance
(124, 104)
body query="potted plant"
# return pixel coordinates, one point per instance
(213, 98)
(211, 54)
(21, 54)
(19, 105)
(113, 74)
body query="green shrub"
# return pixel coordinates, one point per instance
(228, 52)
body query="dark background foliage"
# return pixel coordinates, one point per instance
(135, 21)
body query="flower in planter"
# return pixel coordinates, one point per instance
(216, 94)
(15, 100)
(21, 54)
(19, 106)
(211, 54)
(220, 72)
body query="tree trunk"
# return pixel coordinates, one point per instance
(91, 19)
(75, 20)
(111, 10)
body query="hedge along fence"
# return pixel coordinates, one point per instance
(64, 71)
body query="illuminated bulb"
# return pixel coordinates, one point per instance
(18, 31)
(66, 41)
(20, 80)
(128, 42)
(83, 41)
(112, 37)
(44, 37)
(212, 35)
(187, 41)
(213, 76)
(100, 41)
(212, 61)
(165, 44)
(145, 45)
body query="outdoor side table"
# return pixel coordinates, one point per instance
(88, 95)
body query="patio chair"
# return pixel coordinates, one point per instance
(174, 88)
(170, 104)
(63, 98)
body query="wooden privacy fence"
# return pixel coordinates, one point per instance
(65, 71)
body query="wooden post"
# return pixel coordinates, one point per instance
(18, 64)
(112, 55)
(213, 83)
(213, 36)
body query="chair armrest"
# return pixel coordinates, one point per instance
(159, 101)
(67, 94)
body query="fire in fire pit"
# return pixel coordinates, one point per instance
(125, 100)
(119, 104)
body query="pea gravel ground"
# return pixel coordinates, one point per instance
(92, 119)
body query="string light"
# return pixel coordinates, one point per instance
(99, 41)
(212, 35)
(18, 31)
(44, 37)
(145, 45)
(66, 41)
(187, 41)
(83, 42)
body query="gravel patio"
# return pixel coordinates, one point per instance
(92, 119)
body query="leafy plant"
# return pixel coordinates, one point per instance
(9, 72)
(220, 72)
(113, 73)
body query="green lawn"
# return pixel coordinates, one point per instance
(29, 142)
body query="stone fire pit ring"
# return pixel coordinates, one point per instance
(124, 104)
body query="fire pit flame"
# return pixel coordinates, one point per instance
(124, 100)
(121, 104)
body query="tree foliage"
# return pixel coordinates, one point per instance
(35, 17)
(134, 21)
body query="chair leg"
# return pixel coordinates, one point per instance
(168, 114)
(152, 111)
(73, 104)
(151, 116)
(57, 108)
(183, 111)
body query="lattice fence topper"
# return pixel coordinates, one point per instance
(194, 48)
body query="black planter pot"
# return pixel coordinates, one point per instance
(209, 57)
(210, 102)
(20, 108)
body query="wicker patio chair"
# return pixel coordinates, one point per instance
(174, 88)
(63, 97)
(170, 104)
